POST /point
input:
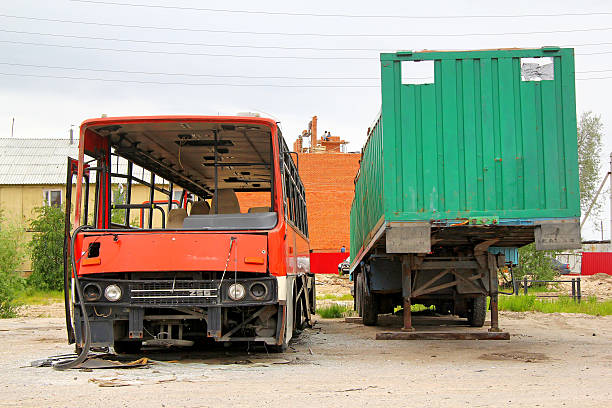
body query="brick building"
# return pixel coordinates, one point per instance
(328, 180)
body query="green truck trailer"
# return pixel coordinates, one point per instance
(485, 155)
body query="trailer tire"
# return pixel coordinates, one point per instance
(369, 304)
(358, 307)
(478, 310)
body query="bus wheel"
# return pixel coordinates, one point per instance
(369, 303)
(127, 347)
(297, 312)
(478, 310)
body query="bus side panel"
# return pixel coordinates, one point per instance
(137, 251)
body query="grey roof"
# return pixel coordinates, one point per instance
(35, 161)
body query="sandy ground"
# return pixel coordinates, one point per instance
(551, 360)
(598, 285)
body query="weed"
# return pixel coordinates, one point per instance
(329, 296)
(333, 311)
(11, 255)
(33, 296)
(563, 304)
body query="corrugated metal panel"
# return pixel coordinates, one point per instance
(480, 141)
(35, 161)
(596, 262)
(43, 161)
(367, 207)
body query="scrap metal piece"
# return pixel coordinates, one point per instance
(409, 237)
(558, 235)
(415, 335)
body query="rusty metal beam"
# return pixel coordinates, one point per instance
(420, 292)
(403, 335)
(430, 282)
(469, 282)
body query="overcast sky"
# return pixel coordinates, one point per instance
(220, 53)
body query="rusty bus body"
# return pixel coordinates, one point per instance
(221, 251)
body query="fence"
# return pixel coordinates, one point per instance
(576, 291)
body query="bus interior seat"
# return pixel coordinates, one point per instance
(176, 217)
(259, 209)
(200, 208)
(227, 201)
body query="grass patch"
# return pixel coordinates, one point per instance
(31, 296)
(563, 304)
(415, 308)
(541, 288)
(334, 311)
(329, 296)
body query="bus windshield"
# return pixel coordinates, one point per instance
(173, 174)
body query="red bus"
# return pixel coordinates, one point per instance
(222, 250)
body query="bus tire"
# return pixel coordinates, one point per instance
(298, 325)
(369, 304)
(478, 310)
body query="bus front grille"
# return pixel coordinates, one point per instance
(173, 293)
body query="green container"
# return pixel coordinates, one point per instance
(479, 143)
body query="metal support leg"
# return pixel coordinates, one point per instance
(406, 293)
(494, 314)
(493, 289)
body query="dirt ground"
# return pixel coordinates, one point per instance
(598, 285)
(551, 360)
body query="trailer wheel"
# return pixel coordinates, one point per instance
(369, 304)
(358, 295)
(127, 347)
(478, 310)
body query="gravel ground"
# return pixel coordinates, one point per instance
(551, 360)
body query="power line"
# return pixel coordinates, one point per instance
(220, 45)
(199, 54)
(185, 83)
(187, 43)
(211, 84)
(592, 79)
(300, 34)
(118, 71)
(304, 14)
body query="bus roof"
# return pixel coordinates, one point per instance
(187, 150)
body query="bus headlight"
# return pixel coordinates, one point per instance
(236, 291)
(112, 293)
(258, 290)
(92, 292)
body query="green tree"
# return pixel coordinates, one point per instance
(12, 255)
(590, 133)
(47, 247)
(118, 197)
(590, 130)
(535, 264)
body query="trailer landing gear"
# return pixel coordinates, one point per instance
(406, 293)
